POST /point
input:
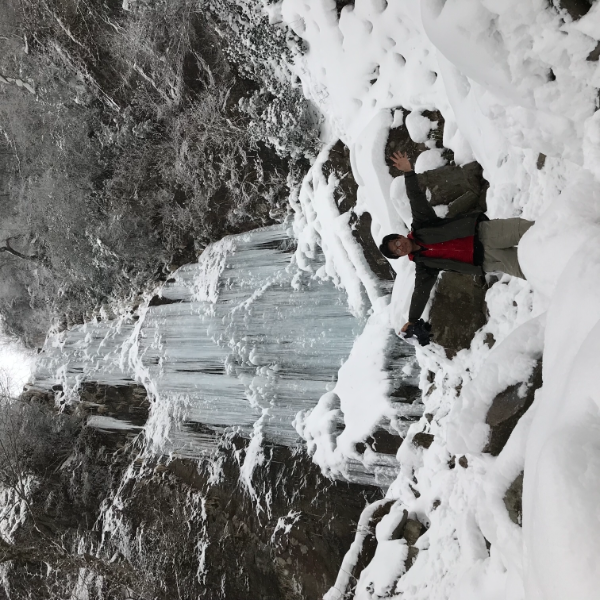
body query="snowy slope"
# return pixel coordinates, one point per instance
(511, 80)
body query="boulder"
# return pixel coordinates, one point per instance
(411, 557)
(451, 184)
(399, 529)
(412, 531)
(513, 500)
(541, 161)
(458, 310)
(507, 408)
(423, 440)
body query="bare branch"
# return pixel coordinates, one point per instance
(16, 253)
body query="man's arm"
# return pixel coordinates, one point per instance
(425, 278)
(422, 211)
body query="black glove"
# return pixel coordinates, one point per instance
(421, 330)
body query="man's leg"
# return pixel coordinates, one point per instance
(504, 260)
(502, 233)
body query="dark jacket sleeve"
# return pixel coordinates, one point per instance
(425, 278)
(422, 211)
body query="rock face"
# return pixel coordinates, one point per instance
(128, 403)
(508, 407)
(459, 306)
(458, 310)
(190, 528)
(250, 554)
(381, 441)
(345, 195)
(463, 186)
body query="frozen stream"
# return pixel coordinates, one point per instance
(241, 339)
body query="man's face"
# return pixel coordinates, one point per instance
(401, 246)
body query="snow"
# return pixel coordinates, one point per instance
(512, 82)
(110, 424)
(378, 579)
(418, 127)
(16, 365)
(429, 160)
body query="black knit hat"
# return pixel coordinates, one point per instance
(384, 248)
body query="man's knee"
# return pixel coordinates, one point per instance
(502, 260)
(524, 226)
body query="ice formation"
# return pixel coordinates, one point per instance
(242, 340)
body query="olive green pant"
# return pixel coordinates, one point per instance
(499, 238)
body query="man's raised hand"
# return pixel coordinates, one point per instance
(401, 161)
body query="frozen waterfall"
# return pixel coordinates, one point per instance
(242, 339)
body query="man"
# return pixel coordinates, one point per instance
(470, 244)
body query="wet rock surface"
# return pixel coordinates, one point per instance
(458, 310)
(508, 407)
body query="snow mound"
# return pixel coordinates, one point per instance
(517, 93)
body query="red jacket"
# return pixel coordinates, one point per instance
(460, 249)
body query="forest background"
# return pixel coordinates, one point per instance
(132, 135)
